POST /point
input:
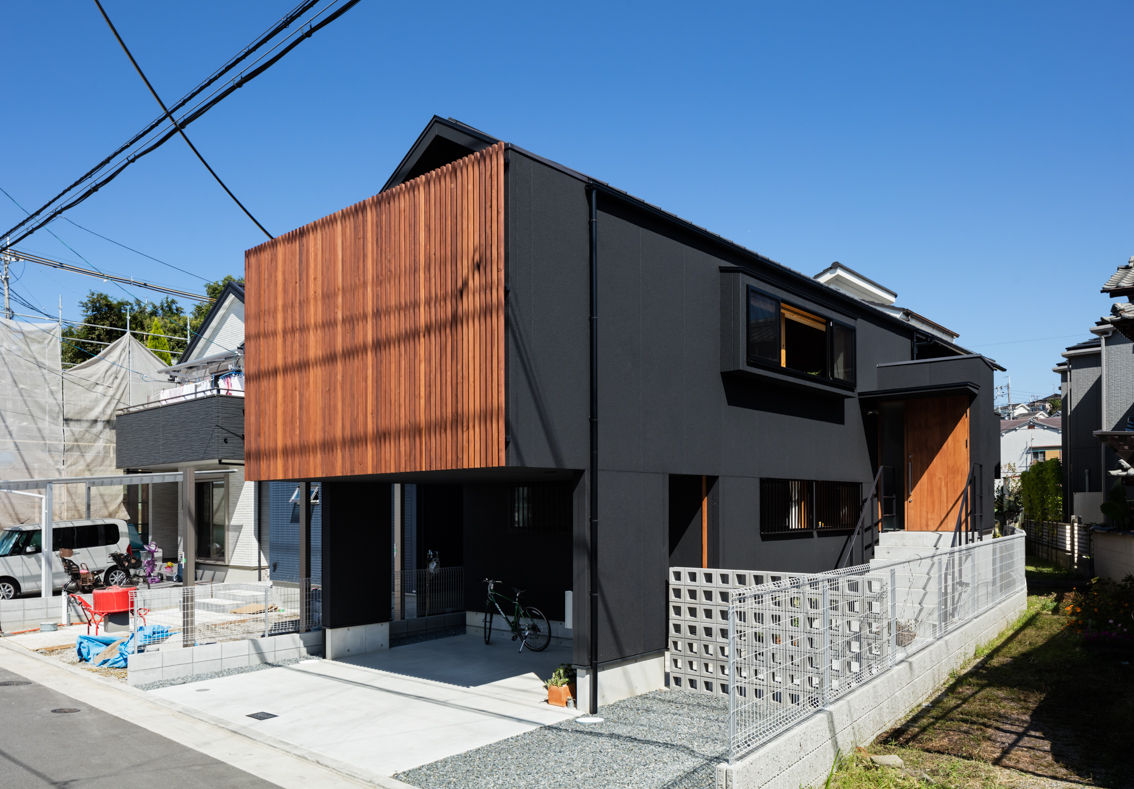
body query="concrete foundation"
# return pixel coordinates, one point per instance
(803, 754)
(357, 640)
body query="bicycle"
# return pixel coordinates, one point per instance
(528, 624)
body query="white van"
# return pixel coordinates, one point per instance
(92, 542)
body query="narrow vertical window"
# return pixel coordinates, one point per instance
(763, 342)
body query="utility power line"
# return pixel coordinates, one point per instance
(15, 254)
(170, 118)
(37, 219)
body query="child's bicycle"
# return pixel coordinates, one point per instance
(529, 626)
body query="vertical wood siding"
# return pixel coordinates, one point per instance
(375, 336)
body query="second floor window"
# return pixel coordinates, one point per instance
(785, 336)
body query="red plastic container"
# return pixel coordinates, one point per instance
(112, 600)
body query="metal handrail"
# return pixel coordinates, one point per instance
(963, 530)
(214, 391)
(876, 494)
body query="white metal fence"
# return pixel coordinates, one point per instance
(797, 644)
(208, 613)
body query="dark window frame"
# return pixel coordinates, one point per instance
(540, 508)
(782, 309)
(805, 507)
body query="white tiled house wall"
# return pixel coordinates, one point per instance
(244, 554)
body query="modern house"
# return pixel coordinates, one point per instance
(1097, 378)
(197, 425)
(545, 358)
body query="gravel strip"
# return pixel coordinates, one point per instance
(666, 738)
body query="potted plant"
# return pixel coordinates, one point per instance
(561, 686)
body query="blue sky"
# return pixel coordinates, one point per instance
(974, 157)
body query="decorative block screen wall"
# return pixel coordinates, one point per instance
(697, 649)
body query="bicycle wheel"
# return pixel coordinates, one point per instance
(487, 626)
(535, 628)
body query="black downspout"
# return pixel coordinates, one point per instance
(592, 469)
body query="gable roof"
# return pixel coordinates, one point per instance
(1050, 422)
(445, 140)
(442, 141)
(231, 289)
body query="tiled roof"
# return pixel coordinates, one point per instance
(1053, 422)
(1121, 281)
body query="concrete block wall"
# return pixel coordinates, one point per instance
(697, 647)
(23, 613)
(803, 754)
(173, 662)
(1114, 553)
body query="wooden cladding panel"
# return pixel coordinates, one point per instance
(937, 461)
(375, 336)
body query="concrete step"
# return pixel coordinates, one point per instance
(931, 540)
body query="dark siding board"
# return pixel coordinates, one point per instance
(547, 327)
(538, 562)
(664, 406)
(209, 428)
(283, 532)
(356, 561)
(1083, 410)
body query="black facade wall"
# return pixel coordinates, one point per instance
(536, 561)
(546, 324)
(664, 406)
(357, 553)
(208, 428)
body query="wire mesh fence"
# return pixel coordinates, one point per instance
(798, 644)
(209, 613)
(429, 592)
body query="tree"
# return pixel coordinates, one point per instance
(158, 342)
(163, 317)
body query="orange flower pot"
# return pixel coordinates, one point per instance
(558, 695)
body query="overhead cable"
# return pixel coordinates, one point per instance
(177, 126)
(246, 76)
(286, 21)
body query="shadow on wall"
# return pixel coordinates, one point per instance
(786, 400)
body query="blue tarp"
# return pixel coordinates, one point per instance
(89, 647)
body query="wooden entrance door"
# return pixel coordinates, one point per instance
(937, 461)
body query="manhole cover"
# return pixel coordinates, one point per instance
(262, 716)
(8, 683)
(65, 709)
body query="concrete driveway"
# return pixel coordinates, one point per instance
(389, 711)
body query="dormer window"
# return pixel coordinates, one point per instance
(783, 335)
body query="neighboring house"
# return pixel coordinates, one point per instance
(1028, 440)
(197, 424)
(1097, 379)
(726, 412)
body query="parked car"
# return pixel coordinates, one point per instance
(91, 543)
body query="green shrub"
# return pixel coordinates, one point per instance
(1041, 491)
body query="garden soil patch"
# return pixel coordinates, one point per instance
(1039, 703)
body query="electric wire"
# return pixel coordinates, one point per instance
(169, 116)
(286, 21)
(296, 38)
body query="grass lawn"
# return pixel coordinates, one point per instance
(1035, 709)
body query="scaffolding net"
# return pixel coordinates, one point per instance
(60, 423)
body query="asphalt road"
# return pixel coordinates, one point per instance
(93, 749)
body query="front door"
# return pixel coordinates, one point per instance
(937, 461)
